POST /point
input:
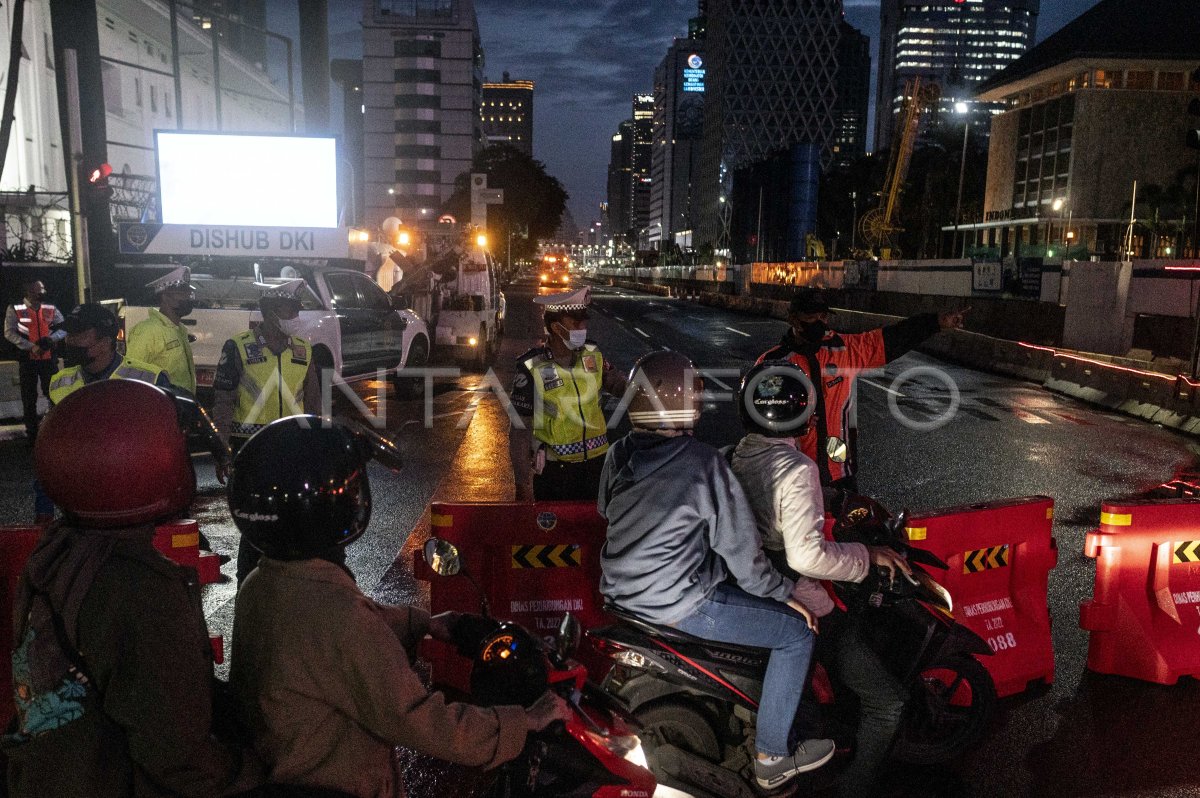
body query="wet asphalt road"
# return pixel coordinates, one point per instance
(1085, 735)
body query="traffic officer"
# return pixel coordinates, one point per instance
(837, 359)
(30, 327)
(264, 374)
(90, 354)
(558, 448)
(160, 338)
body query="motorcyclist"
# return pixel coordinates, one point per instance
(679, 525)
(323, 671)
(112, 664)
(784, 489)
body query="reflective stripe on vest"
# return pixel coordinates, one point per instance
(30, 329)
(69, 380)
(567, 415)
(272, 386)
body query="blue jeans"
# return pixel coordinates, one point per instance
(730, 615)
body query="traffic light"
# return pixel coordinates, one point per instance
(98, 179)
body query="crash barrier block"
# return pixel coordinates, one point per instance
(1000, 556)
(533, 561)
(1144, 614)
(179, 541)
(16, 544)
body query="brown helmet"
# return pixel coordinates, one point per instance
(668, 392)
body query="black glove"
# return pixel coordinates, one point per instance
(45, 343)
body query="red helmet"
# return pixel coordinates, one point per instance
(113, 454)
(668, 392)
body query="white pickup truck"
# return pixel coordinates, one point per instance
(348, 319)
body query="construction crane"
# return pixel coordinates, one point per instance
(879, 226)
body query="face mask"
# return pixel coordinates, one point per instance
(575, 339)
(77, 355)
(185, 307)
(36, 299)
(290, 326)
(813, 330)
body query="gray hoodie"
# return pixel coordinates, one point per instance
(678, 525)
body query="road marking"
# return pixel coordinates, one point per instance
(641, 332)
(708, 376)
(882, 387)
(667, 348)
(696, 318)
(739, 332)
(618, 318)
(1029, 418)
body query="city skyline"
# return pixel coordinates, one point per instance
(589, 59)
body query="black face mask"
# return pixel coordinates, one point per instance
(75, 355)
(185, 307)
(812, 330)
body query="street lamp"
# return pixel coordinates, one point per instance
(1057, 207)
(961, 108)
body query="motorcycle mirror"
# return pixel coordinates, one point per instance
(442, 557)
(836, 450)
(570, 632)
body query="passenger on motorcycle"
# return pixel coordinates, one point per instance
(679, 527)
(784, 489)
(323, 672)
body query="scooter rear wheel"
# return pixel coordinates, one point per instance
(949, 711)
(675, 723)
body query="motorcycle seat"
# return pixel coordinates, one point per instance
(672, 635)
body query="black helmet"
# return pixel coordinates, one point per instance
(773, 399)
(299, 486)
(668, 392)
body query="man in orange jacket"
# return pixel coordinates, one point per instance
(837, 359)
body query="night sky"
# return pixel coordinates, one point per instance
(588, 58)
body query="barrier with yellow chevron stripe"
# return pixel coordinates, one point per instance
(983, 559)
(1144, 614)
(533, 562)
(546, 556)
(999, 555)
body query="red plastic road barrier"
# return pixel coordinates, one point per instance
(179, 541)
(1144, 616)
(16, 544)
(534, 562)
(1000, 556)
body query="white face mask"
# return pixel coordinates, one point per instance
(290, 326)
(575, 339)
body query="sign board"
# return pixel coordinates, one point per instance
(257, 180)
(693, 74)
(986, 276)
(207, 240)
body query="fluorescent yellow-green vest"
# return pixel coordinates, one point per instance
(567, 415)
(69, 380)
(158, 340)
(272, 386)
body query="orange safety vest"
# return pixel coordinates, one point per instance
(34, 325)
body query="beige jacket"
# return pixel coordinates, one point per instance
(323, 674)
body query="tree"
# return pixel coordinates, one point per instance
(534, 201)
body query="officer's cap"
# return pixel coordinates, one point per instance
(180, 279)
(293, 290)
(91, 316)
(572, 302)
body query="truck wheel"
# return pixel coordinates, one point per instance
(481, 357)
(412, 387)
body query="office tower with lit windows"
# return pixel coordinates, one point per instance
(640, 154)
(422, 88)
(506, 113)
(239, 23)
(853, 94)
(955, 43)
(620, 181)
(678, 126)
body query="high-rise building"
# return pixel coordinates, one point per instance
(678, 126)
(239, 24)
(506, 113)
(853, 93)
(422, 85)
(620, 181)
(955, 43)
(640, 154)
(771, 77)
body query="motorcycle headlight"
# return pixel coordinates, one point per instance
(617, 744)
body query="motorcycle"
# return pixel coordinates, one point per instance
(590, 756)
(696, 700)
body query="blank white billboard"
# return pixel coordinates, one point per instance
(247, 180)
